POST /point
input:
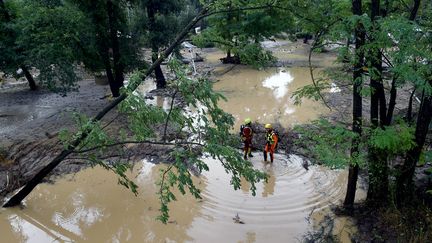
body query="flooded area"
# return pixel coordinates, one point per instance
(265, 95)
(90, 207)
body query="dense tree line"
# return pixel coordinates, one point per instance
(391, 51)
(55, 37)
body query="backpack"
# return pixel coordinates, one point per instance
(242, 127)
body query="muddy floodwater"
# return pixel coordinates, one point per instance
(265, 96)
(89, 206)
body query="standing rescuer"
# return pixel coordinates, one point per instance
(271, 142)
(246, 134)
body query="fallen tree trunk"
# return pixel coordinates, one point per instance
(18, 197)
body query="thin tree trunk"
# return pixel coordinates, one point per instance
(410, 105)
(378, 171)
(359, 35)
(118, 66)
(414, 10)
(404, 181)
(103, 52)
(18, 197)
(27, 74)
(392, 102)
(29, 77)
(160, 79)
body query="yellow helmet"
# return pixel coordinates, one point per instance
(247, 121)
(268, 125)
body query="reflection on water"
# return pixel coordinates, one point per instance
(90, 207)
(279, 83)
(269, 186)
(265, 96)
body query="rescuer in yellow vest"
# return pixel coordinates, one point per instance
(271, 142)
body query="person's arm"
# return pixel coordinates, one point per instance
(275, 141)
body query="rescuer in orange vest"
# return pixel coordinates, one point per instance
(246, 134)
(271, 142)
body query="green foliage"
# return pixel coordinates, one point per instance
(96, 145)
(167, 21)
(141, 116)
(237, 29)
(328, 143)
(392, 140)
(43, 35)
(200, 116)
(208, 123)
(253, 54)
(97, 137)
(10, 57)
(311, 91)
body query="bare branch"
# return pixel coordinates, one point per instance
(169, 114)
(311, 69)
(135, 142)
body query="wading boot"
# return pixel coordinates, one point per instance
(265, 156)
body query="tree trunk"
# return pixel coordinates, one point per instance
(393, 90)
(104, 53)
(359, 35)
(378, 171)
(404, 185)
(408, 117)
(115, 91)
(118, 65)
(160, 79)
(30, 79)
(392, 102)
(414, 10)
(5, 11)
(18, 197)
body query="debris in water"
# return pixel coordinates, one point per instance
(237, 219)
(305, 165)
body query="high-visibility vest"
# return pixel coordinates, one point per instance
(270, 137)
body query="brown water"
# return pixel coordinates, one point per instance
(91, 207)
(266, 95)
